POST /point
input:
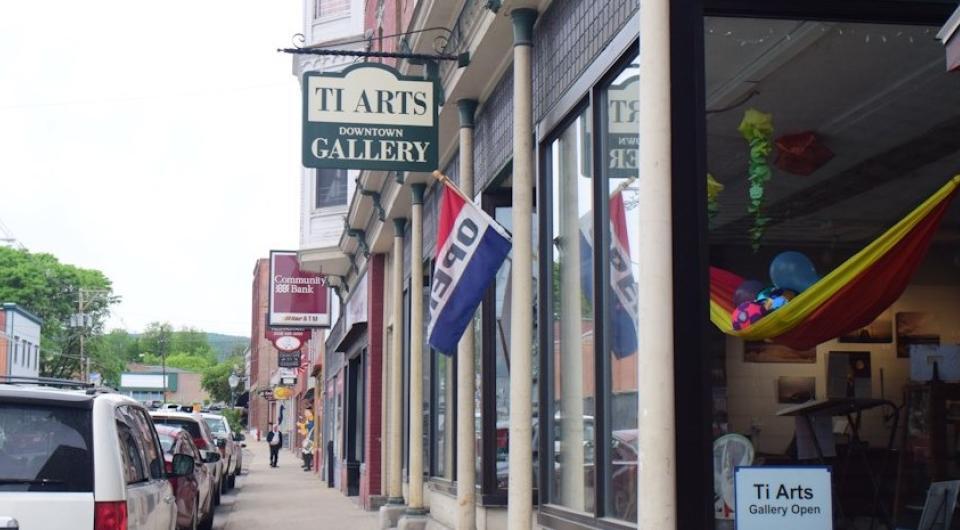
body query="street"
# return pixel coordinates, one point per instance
(286, 497)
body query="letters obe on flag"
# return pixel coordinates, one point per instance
(471, 246)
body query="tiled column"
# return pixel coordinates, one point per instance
(414, 516)
(466, 356)
(520, 495)
(656, 492)
(390, 513)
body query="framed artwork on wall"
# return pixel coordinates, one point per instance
(849, 374)
(880, 331)
(915, 328)
(793, 390)
(765, 352)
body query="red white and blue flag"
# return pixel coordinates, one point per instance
(623, 287)
(471, 246)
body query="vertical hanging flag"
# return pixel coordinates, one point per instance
(623, 287)
(470, 248)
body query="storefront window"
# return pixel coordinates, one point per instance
(573, 471)
(620, 106)
(821, 137)
(443, 409)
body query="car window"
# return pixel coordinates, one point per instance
(45, 448)
(133, 469)
(188, 424)
(147, 436)
(167, 443)
(217, 425)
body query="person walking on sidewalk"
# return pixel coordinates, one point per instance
(275, 439)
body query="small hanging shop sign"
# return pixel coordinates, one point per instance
(287, 339)
(369, 116)
(288, 359)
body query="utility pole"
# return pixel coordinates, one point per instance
(81, 321)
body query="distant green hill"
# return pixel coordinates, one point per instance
(227, 344)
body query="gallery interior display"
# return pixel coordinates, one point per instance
(833, 152)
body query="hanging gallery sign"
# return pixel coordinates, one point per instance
(298, 298)
(789, 498)
(369, 116)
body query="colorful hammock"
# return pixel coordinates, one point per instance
(852, 295)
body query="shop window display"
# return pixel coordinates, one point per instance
(821, 136)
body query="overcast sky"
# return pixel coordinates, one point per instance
(155, 141)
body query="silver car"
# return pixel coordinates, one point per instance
(232, 447)
(82, 459)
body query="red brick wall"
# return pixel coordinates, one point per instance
(371, 474)
(262, 354)
(396, 15)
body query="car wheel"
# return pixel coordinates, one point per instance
(232, 481)
(216, 497)
(196, 509)
(207, 522)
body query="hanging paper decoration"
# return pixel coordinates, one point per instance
(713, 190)
(801, 153)
(757, 129)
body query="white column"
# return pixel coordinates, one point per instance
(415, 497)
(395, 455)
(466, 357)
(520, 482)
(656, 493)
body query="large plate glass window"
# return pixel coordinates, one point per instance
(618, 112)
(572, 473)
(856, 125)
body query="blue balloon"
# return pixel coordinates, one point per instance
(793, 270)
(747, 292)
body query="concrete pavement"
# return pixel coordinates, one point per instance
(286, 497)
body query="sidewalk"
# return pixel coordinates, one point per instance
(286, 497)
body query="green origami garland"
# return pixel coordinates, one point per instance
(757, 129)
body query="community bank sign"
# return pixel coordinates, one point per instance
(369, 116)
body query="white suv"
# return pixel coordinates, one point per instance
(81, 460)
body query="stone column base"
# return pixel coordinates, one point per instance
(412, 522)
(390, 515)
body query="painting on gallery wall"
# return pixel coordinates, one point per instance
(792, 390)
(915, 328)
(765, 352)
(880, 331)
(849, 374)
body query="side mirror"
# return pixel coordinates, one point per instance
(243, 445)
(239, 437)
(212, 457)
(183, 465)
(221, 443)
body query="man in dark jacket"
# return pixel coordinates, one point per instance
(275, 439)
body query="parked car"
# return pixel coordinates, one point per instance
(203, 438)
(232, 449)
(82, 459)
(193, 491)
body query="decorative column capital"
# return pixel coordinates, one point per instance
(416, 192)
(399, 225)
(523, 20)
(468, 110)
